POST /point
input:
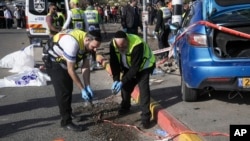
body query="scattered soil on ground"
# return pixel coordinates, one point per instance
(105, 122)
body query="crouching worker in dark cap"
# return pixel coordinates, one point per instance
(68, 49)
(130, 55)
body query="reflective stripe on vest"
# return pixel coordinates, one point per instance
(77, 18)
(166, 12)
(79, 35)
(148, 56)
(54, 19)
(60, 14)
(91, 16)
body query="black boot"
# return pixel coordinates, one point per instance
(72, 127)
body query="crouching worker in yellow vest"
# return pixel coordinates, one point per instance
(64, 55)
(133, 57)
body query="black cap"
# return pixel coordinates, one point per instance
(120, 34)
(96, 35)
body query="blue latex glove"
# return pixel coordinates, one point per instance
(90, 92)
(113, 85)
(116, 87)
(85, 95)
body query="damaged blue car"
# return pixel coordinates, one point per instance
(212, 47)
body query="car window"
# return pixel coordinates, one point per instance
(231, 2)
(233, 16)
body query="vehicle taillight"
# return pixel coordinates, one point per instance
(197, 40)
(222, 79)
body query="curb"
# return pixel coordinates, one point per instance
(164, 119)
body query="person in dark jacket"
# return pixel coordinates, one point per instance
(162, 29)
(2, 19)
(23, 18)
(131, 18)
(8, 15)
(133, 57)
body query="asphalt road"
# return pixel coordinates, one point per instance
(31, 112)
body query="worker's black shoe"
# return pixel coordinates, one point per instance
(76, 118)
(123, 111)
(73, 116)
(72, 127)
(145, 124)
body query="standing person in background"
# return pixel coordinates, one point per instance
(75, 17)
(17, 15)
(106, 14)
(162, 28)
(8, 17)
(149, 9)
(121, 11)
(131, 18)
(115, 13)
(100, 10)
(61, 16)
(2, 19)
(51, 20)
(110, 14)
(93, 22)
(23, 17)
(132, 57)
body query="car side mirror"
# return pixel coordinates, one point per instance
(174, 27)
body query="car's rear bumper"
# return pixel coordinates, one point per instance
(219, 76)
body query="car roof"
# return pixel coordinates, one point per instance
(231, 2)
(213, 7)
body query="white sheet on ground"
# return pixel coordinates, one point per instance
(31, 77)
(19, 60)
(22, 62)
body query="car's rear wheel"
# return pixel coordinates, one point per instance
(188, 94)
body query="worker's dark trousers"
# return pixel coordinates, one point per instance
(163, 41)
(63, 87)
(142, 79)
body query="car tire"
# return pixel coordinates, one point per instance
(188, 94)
